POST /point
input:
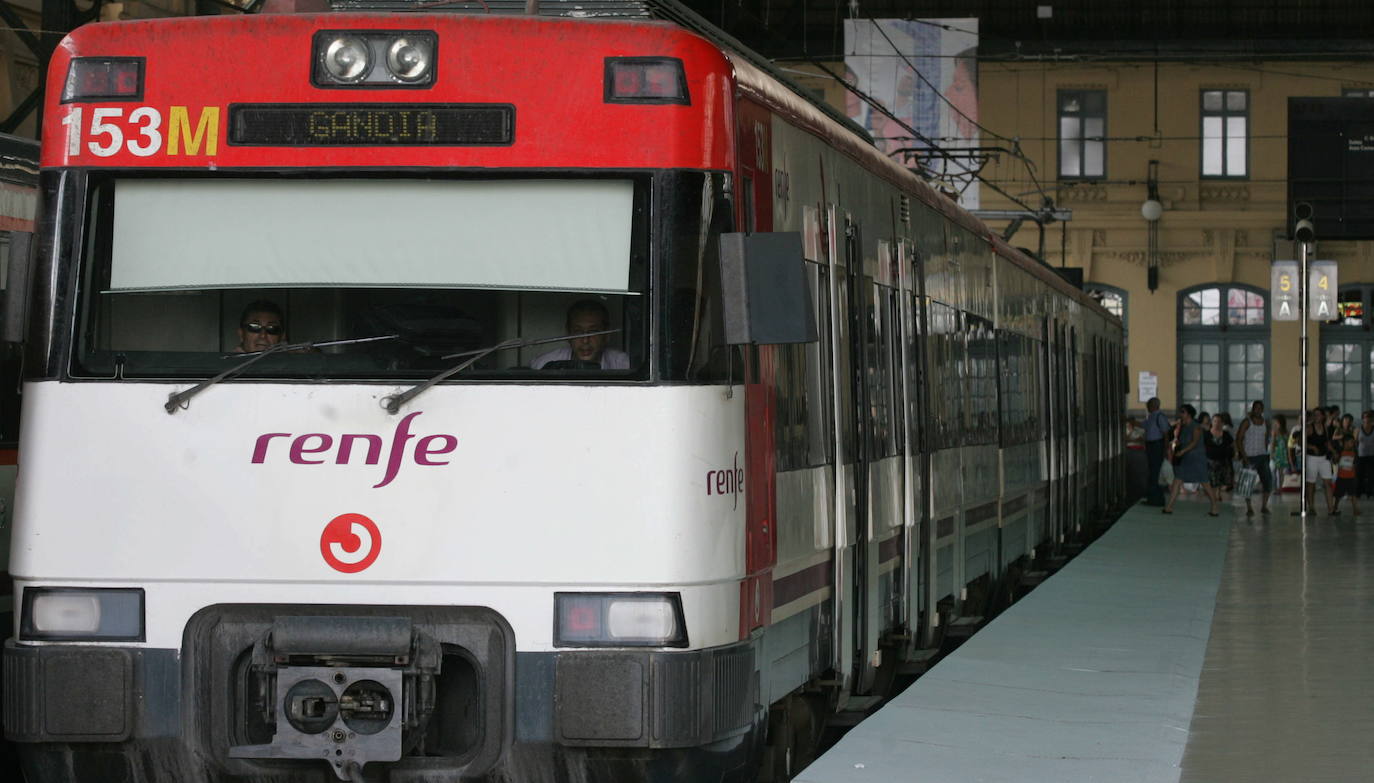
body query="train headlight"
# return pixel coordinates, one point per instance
(71, 613)
(347, 59)
(409, 59)
(619, 620)
(374, 58)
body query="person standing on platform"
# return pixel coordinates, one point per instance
(1221, 449)
(1364, 455)
(1318, 461)
(1281, 459)
(1190, 460)
(1157, 431)
(1345, 473)
(1252, 446)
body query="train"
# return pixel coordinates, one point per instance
(421, 396)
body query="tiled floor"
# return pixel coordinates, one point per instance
(1287, 688)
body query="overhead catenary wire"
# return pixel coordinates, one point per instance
(917, 135)
(1014, 142)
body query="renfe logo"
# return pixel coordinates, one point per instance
(304, 446)
(350, 543)
(726, 482)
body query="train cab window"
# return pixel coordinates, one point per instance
(382, 278)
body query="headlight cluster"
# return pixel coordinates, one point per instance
(374, 58)
(82, 614)
(619, 620)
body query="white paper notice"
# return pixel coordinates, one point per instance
(1148, 385)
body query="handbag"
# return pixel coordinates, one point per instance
(1166, 474)
(1246, 481)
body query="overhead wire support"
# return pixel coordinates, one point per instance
(1016, 143)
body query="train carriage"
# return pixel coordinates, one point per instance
(401, 544)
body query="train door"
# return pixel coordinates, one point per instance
(914, 551)
(755, 213)
(886, 440)
(845, 514)
(862, 555)
(1074, 418)
(1058, 434)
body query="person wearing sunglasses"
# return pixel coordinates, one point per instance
(261, 326)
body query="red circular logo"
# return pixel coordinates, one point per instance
(350, 543)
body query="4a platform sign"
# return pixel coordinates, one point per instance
(1322, 302)
(1322, 288)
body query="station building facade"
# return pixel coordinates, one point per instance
(1211, 140)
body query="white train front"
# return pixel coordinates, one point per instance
(398, 544)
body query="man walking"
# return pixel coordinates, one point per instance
(1156, 431)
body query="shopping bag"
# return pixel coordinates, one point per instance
(1166, 474)
(1246, 481)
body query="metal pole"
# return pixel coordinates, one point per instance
(1302, 363)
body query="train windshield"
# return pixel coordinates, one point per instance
(182, 275)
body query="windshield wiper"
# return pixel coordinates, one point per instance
(182, 399)
(392, 403)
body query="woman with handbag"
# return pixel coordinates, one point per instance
(1190, 460)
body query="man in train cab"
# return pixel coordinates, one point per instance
(588, 351)
(1156, 433)
(262, 325)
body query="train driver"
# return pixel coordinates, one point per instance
(262, 325)
(586, 315)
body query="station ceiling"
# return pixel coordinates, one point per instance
(1296, 29)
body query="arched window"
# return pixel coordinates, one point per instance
(1348, 353)
(1113, 300)
(1223, 347)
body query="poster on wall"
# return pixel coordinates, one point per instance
(925, 73)
(1148, 384)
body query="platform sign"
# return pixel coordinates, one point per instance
(1322, 302)
(1283, 288)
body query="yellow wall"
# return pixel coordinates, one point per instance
(1211, 231)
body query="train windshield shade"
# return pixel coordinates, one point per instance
(570, 235)
(180, 276)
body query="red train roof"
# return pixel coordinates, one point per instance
(551, 70)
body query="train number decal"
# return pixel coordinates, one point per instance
(108, 130)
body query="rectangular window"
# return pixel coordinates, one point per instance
(399, 277)
(182, 234)
(1082, 134)
(1225, 133)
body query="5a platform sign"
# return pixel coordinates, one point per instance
(1283, 288)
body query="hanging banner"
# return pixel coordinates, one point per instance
(1283, 290)
(925, 73)
(1322, 301)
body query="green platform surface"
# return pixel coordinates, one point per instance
(1093, 676)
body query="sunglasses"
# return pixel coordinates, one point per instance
(254, 327)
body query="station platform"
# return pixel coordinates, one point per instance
(1176, 647)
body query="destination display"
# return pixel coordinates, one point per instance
(354, 125)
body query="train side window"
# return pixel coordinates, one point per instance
(819, 372)
(892, 355)
(916, 390)
(692, 339)
(843, 363)
(878, 375)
